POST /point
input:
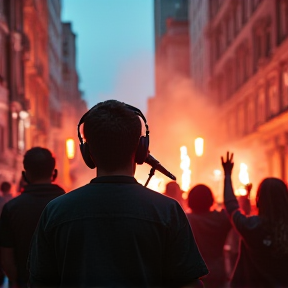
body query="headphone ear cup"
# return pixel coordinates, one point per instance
(142, 150)
(86, 155)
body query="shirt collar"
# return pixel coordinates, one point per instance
(115, 179)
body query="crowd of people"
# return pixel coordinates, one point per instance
(114, 232)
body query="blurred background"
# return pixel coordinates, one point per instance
(210, 75)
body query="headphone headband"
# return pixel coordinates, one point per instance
(143, 146)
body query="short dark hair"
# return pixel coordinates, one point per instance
(112, 132)
(172, 189)
(5, 187)
(39, 162)
(200, 198)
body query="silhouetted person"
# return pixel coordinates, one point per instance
(210, 229)
(20, 215)
(173, 190)
(6, 194)
(263, 260)
(113, 232)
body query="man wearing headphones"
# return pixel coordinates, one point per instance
(20, 215)
(113, 232)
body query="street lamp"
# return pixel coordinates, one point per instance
(199, 146)
(70, 148)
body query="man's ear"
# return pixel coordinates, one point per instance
(25, 177)
(54, 175)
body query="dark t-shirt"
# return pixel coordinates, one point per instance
(114, 232)
(19, 219)
(210, 230)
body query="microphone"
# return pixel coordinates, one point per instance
(150, 160)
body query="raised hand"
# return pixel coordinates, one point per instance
(248, 188)
(228, 163)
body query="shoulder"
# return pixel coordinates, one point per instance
(14, 203)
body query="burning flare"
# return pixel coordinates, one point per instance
(70, 148)
(185, 165)
(243, 174)
(199, 146)
(244, 179)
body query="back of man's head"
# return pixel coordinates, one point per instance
(39, 163)
(5, 187)
(112, 132)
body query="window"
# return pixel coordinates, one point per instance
(217, 45)
(251, 115)
(240, 64)
(232, 124)
(258, 47)
(229, 81)
(238, 18)
(282, 11)
(285, 86)
(255, 4)
(268, 42)
(246, 10)
(223, 37)
(2, 140)
(241, 120)
(230, 28)
(262, 41)
(220, 96)
(261, 113)
(246, 63)
(273, 98)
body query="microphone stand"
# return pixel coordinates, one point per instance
(152, 172)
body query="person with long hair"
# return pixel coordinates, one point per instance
(263, 258)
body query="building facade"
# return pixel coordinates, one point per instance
(36, 96)
(249, 81)
(176, 11)
(37, 71)
(199, 54)
(73, 106)
(13, 105)
(172, 81)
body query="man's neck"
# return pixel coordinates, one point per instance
(123, 172)
(44, 181)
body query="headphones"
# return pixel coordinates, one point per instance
(143, 145)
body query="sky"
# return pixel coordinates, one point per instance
(115, 49)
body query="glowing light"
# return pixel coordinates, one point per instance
(217, 174)
(23, 115)
(243, 174)
(184, 196)
(185, 165)
(14, 115)
(199, 146)
(156, 183)
(70, 148)
(244, 179)
(241, 191)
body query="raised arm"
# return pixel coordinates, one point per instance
(230, 201)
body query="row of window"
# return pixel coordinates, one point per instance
(247, 60)
(215, 6)
(55, 118)
(268, 101)
(231, 24)
(282, 17)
